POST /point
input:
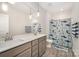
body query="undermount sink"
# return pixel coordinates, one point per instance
(19, 39)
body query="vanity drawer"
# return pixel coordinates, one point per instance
(34, 42)
(26, 53)
(43, 43)
(16, 50)
(35, 50)
(41, 51)
(34, 47)
(35, 53)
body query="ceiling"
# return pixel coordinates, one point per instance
(56, 6)
(52, 7)
(23, 6)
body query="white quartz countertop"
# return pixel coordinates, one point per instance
(18, 40)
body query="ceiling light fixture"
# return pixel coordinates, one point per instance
(4, 7)
(30, 16)
(61, 9)
(38, 13)
(34, 21)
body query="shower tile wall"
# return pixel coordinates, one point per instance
(60, 33)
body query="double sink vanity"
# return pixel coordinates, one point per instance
(26, 45)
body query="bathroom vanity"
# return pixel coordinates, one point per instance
(27, 45)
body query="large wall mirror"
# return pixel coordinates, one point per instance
(4, 26)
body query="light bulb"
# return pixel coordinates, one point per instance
(38, 13)
(34, 21)
(30, 16)
(4, 7)
(61, 9)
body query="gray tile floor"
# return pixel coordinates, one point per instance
(53, 52)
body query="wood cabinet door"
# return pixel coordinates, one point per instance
(42, 45)
(35, 51)
(40, 49)
(26, 53)
(42, 38)
(35, 42)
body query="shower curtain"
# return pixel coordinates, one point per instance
(61, 33)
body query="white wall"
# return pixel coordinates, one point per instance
(19, 19)
(4, 24)
(62, 15)
(42, 20)
(75, 18)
